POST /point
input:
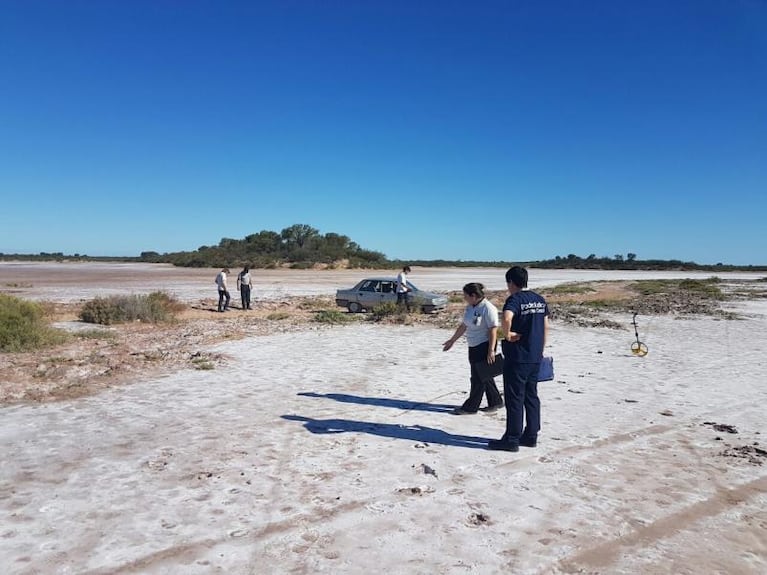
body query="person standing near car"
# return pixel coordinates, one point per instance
(480, 322)
(244, 285)
(403, 296)
(525, 326)
(223, 291)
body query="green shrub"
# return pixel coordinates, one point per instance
(278, 315)
(95, 334)
(155, 307)
(604, 304)
(652, 287)
(331, 316)
(392, 313)
(707, 288)
(23, 327)
(384, 310)
(569, 289)
(301, 266)
(102, 311)
(203, 364)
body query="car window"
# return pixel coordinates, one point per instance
(369, 285)
(388, 287)
(412, 286)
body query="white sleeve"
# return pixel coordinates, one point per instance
(491, 316)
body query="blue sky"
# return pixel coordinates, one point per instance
(503, 130)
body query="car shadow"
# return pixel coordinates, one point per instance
(418, 433)
(403, 404)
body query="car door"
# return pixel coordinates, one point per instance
(369, 294)
(389, 291)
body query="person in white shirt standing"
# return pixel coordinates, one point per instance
(223, 291)
(480, 322)
(244, 285)
(403, 295)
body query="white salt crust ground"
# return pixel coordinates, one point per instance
(332, 451)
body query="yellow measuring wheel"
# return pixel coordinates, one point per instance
(638, 348)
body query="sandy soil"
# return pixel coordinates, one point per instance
(73, 282)
(315, 449)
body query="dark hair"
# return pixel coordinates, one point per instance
(406, 269)
(475, 289)
(517, 276)
(246, 269)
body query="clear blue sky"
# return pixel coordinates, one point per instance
(462, 130)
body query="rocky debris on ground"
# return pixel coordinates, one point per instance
(751, 453)
(723, 427)
(427, 470)
(479, 519)
(415, 490)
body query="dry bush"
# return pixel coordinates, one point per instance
(153, 308)
(23, 326)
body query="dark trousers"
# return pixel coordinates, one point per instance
(520, 387)
(479, 386)
(223, 294)
(245, 296)
(403, 298)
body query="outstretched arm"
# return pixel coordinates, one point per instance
(460, 330)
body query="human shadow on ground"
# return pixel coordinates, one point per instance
(418, 433)
(403, 404)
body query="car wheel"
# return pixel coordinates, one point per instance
(427, 309)
(354, 307)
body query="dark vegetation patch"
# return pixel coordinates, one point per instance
(25, 327)
(155, 307)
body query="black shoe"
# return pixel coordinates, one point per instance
(501, 445)
(461, 411)
(491, 408)
(525, 442)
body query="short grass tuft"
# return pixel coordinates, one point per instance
(278, 316)
(331, 316)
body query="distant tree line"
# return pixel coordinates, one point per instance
(591, 262)
(299, 246)
(302, 246)
(61, 257)
(630, 262)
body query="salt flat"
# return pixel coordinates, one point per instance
(76, 281)
(332, 451)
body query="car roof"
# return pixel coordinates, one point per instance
(380, 279)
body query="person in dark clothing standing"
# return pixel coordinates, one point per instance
(480, 320)
(525, 326)
(244, 285)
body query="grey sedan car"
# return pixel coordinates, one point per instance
(371, 292)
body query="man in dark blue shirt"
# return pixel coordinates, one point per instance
(525, 325)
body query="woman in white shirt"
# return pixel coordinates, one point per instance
(480, 321)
